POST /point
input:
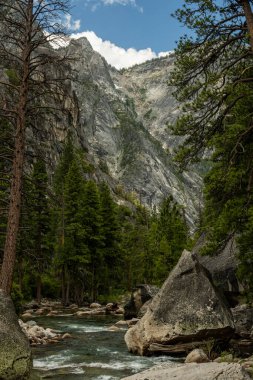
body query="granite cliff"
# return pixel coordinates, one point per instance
(121, 118)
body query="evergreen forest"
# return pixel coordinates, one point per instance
(66, 234)
(77, 244)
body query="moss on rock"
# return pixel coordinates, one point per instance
(15, 352)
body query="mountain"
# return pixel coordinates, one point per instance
(121, 118)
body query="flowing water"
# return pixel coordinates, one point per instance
(93, 353)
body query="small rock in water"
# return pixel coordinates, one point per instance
(197, 356)
(120, 311)
(66, 336)
(114, 328)
(95, 305)
(132, 322)
(31, 323)
(121, 323)
(38, 335)
(26, 315)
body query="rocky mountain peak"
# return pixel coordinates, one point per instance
(123, 118)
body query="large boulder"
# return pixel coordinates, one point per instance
(223, 266)
(140, 296)
(187, 312)
(15, 352)
(193, 371)
(242, 342)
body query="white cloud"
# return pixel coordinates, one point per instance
(123, 2)
(115, 55)
(72, 25)
(96, 3)
(163, 54)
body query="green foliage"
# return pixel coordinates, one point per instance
(76, 242)
(228, 187)
(170, 237)
(212, 77)
(13, 76)
(209, 68)
(35, 249)
(76, 251)
(110, 236)
(17, 297)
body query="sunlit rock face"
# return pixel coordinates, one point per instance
(121, 118)
(186, 313)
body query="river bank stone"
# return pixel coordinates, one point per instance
(186, 313)
(15, 352)
(139, 297)
(197, 356)
(193, 371)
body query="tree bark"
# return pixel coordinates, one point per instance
(7, 269)
(249, 19)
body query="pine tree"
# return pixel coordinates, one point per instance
(110, 236)
(39, 225)
(23, 26)
(59, 180)
(76, 253)
(171, 236)
(228, 187)
(92, 221)
(209, 68)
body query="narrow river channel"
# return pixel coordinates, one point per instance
(93, 353)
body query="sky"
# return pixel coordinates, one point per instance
(126, 32)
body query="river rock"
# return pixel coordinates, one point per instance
(185, 313)
(66, 336)
(111, 307)
(95, 305)
(15, 352)
(223, 266)
(197, 356)
(113, 328)
(132, 322)
(31, 323)
(38, 335)
(144, 309)
(140, 295)
(193, 371)
(119, 311)
(243, 319)
(27, 315)
(121, 323)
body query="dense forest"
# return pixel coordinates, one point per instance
(76, 243)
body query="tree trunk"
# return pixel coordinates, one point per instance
(14, 208)
(17, 165)
(249, 18)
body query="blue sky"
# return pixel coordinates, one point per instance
(127, 31)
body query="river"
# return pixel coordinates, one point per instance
(94, 353)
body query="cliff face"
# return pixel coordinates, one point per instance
(122, 120)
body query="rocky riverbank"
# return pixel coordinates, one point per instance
(198, 366)
(55, 308)
(38, 335)
(193, 371)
